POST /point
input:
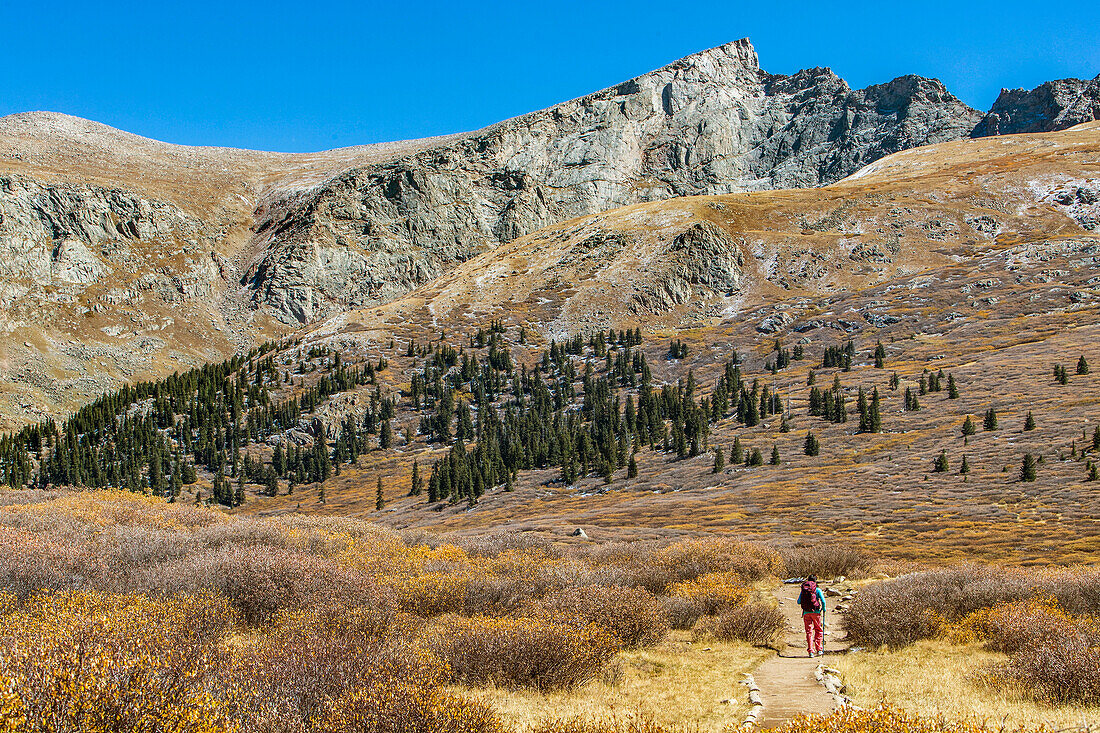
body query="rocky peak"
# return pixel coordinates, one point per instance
(1053, 105)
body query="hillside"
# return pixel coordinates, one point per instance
(526, 381)
(124, 258)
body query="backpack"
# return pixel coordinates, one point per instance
(808, 598)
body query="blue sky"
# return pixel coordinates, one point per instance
(309, 76)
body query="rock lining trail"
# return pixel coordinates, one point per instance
(788, 681)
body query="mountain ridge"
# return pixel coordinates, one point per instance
(124, 258)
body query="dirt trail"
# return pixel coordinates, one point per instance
(787, 682)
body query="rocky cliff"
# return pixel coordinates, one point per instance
(1055, 105)
(710, 123)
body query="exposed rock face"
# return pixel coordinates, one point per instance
(709, 123)
(1054, 105)
(57, 240)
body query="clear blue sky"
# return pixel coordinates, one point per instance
(313, 75)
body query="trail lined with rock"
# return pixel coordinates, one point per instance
(788, 682)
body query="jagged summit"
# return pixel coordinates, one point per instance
(1053, 105)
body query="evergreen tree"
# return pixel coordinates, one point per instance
(1028, 469)
(737, 453)
(952, 388)
(1092, 472)
(1096, 438)
(379, 499)
(864, 412)
(895, 381)
(1060, 374)
(632, 466)
(774, 460)
(876, 415)
(939, 465)
(880, 356)
(1029, 421)
(990, 421)
(416, 485)
(968, 426)
(385, 436)
(784, 425)
(811, 447)
(756, 458)
(965, 467)
(1082, 365)
(719, 459)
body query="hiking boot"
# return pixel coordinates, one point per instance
(813, 654)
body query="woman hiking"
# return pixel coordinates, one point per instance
(812, 601)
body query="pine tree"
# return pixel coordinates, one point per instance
(632, 466)
(811, 447)
(876, 414)
(1060, 374)
(864, 412)
(1027, 469)
(784, 425)
(1092, 472)
(1082, 365)
(1029, 421)
(774, 460)
(385, 437)
(379, 499)
(719, 459)
(811, 378)
(952, 388)
(990, 421)
(965, 467)
(416, 485)
(737, 453)
(939, 465)
(1096, 438)
(968, 426)
(880, 356)
(756, 458)
(895, 381)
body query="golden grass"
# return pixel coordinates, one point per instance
(678, 682)
(939, 678)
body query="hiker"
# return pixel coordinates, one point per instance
(812, 601)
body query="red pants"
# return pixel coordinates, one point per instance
(815, 632)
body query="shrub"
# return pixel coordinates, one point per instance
(915, 606)
(880, 720)
(632, 724)
(826, 560)
(1050, 653)
(757, 623)
(680, 612)
(713, 592)
(97, 663)
(633, 616)
(262, 584)
(287, 677)
(392, 705)
(522, 652)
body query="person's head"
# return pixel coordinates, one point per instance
(812, 577)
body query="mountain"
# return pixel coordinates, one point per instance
(123, 258)
(1053, 105)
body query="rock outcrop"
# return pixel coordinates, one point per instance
(1054, 105)
(710, 123)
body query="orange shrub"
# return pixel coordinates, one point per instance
(392, 705)
(97, 663)
(632, 724)
(714, 592)
(522, 652)
(880, 720)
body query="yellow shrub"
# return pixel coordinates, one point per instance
(391, 705)
(880, 720)
(714, 591)
(92, 662)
